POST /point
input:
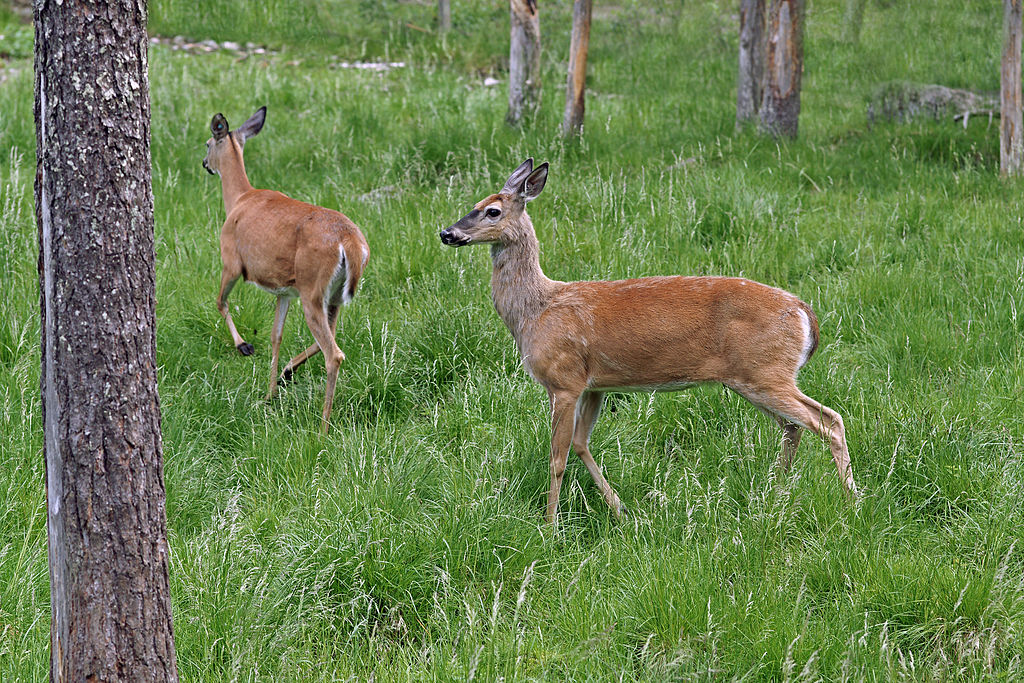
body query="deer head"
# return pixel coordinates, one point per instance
(224, 139)
(496, 219)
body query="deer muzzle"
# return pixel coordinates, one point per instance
(454, 237)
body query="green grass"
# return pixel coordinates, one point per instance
(409, 544)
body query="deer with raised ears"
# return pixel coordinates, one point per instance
(582, 339)
(287, 247)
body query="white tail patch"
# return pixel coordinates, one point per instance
(332, 289)
(808, 349)
(346, 292)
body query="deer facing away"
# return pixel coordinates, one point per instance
(286, 247)
(582, 339)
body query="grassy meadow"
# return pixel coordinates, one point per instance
(409, 543)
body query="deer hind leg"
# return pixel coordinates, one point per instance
(792, 406)
(563, 419)
(790, 440)
(301, 358)
(228, 278)
(314, 348)
(587, 410)
(316, 319)
(275, 341)
(828, 424)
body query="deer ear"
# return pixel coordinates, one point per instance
(253, 125)
(515, 181)
(219, 126)
(535, 182)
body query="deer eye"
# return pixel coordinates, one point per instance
(493, 212)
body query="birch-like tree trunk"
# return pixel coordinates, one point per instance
(444, 16)
(106, 524)
(853, 20)
(523, 62)
(575, 90)
(1010, 145)
(784, 62)
(750, 82)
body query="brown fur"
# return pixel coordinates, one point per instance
(581, 339)
(288, 247)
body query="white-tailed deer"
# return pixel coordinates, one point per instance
(287, 247)
(582, 339)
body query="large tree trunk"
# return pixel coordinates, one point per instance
(1010, 147)
(751, 61)
(572, 123)
(111, 610)
(523, 62)
(444, 16)
(780, 105)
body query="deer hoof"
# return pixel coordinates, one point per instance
(286, 376)
(245, 348)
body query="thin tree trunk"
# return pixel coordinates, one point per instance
(444, 16)
(575, 90)
(110, 598)
(523, 62)
(853, 20)
(780, 105)
(1010, 147)
(751, 61)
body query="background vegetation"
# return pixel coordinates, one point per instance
(408, 545)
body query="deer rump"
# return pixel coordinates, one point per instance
(271, 233)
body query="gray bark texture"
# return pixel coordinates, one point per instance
(1010, 118)
(444, 15)
(784, 62)
(751, 61)
(523, 62)
(106, 520)
(575, 90)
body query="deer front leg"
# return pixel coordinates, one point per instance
(563, 423)
(587, 410)
(275, 341)
(228, 278)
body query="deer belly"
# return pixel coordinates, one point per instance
(645, 388)
(278, 291)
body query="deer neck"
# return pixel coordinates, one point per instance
(233, 179)
(519, 288)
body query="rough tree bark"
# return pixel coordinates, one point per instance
(853, 20)
(111, 611)
(523, 62)
(751, 61)
(1010, 118)
(784, 61)
(444, 16)
(572, 122)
